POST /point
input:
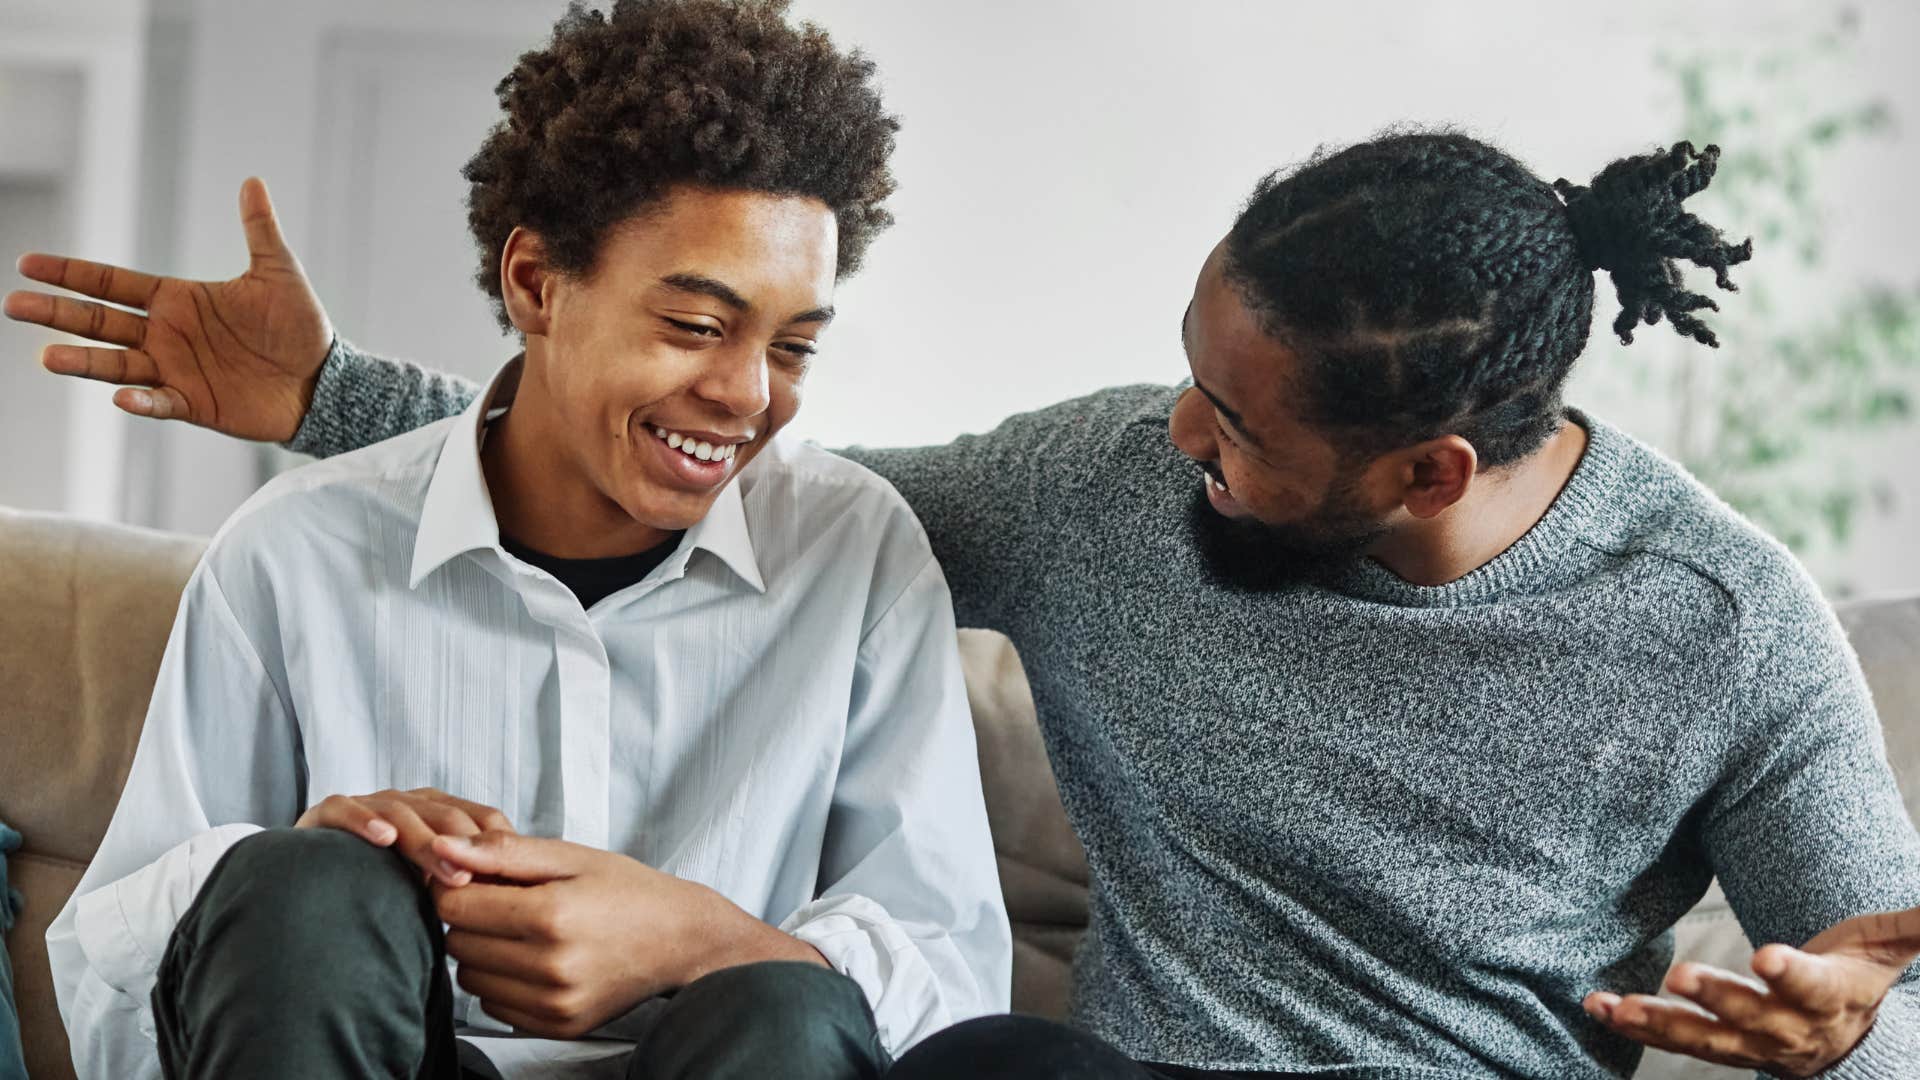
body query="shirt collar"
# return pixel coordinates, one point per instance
(457, 515)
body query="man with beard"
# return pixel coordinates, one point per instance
(1401, 731)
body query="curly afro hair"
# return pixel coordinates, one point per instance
(619, 108)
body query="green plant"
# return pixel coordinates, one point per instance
(1810, 376)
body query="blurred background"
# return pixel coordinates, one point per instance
(1065, 166)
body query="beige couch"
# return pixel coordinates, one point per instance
(84, 615)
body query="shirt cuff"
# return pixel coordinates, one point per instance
(123, 927)
(314, 436)
(861, 941)
(1891, 1046)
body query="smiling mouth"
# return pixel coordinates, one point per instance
(695, 448)
(1215, 478)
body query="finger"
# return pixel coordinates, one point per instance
(122, 366)
(348, 814)
(522, 1021)
(504, 990)
(509, 911)
(262, 226)
(444, 818)
(416, 837)
(80, 317)
(1815, 984)
(511, 856)
(523, 960)
(484, 816)
(1738, 1001)
(114, 284)
(1682, 1028)
(158, 403)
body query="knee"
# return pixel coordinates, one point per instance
(314, 878)
(1017, 1047)
(797, 1020)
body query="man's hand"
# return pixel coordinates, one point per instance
(238, 356)
(1808, 1009)
(408, 822)
(577, 936)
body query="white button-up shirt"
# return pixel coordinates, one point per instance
(776, 711)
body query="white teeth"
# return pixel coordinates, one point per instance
(694, 448)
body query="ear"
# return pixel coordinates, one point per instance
(527, 282)
(1436, 474)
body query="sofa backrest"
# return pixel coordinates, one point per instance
(84, 614)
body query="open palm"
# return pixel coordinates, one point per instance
(237, 356)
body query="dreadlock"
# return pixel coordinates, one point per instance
(1433, 285)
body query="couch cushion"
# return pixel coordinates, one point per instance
(87, 609)
(1043, 870)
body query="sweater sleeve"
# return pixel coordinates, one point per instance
(1809, 829)
(995, 504)
(362, 399)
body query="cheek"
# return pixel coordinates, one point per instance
(1271, 494)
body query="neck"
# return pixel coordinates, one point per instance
(1496, 512)
(544, 495)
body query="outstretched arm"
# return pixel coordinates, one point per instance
(1811, 841)
(247, 357)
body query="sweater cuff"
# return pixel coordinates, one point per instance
(315, 435)
(1891, 1046)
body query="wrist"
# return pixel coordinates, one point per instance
(731, 937)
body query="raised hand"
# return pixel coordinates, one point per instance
(239, 356)
(1808, 1008)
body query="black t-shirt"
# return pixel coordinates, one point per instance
(593, 580)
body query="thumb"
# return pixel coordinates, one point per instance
(510, 856)
(1819, 984)
(264, 242)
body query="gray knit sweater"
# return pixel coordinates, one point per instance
(1369, 829)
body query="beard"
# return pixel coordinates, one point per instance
(1249, 555)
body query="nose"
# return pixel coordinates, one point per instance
(737, 381)
(1191, 432)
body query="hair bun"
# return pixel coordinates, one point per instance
(1629, 221)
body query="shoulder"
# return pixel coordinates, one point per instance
(1687, 538)
(798, 486)
(312, 517)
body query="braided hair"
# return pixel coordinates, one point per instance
(1432, 285)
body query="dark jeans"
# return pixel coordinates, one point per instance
(1030, 1048)
(312, 954)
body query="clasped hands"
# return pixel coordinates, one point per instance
(1801, 1012)
(553, 937)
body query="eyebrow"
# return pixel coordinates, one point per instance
(1232, 416)
(702, 285)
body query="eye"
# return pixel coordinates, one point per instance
(696, 329)
(798, 355)
(1222, 429)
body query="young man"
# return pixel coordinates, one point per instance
(660, 713)
(1402, 729)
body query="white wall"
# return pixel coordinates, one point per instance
(70, 78)
(1064, 167)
